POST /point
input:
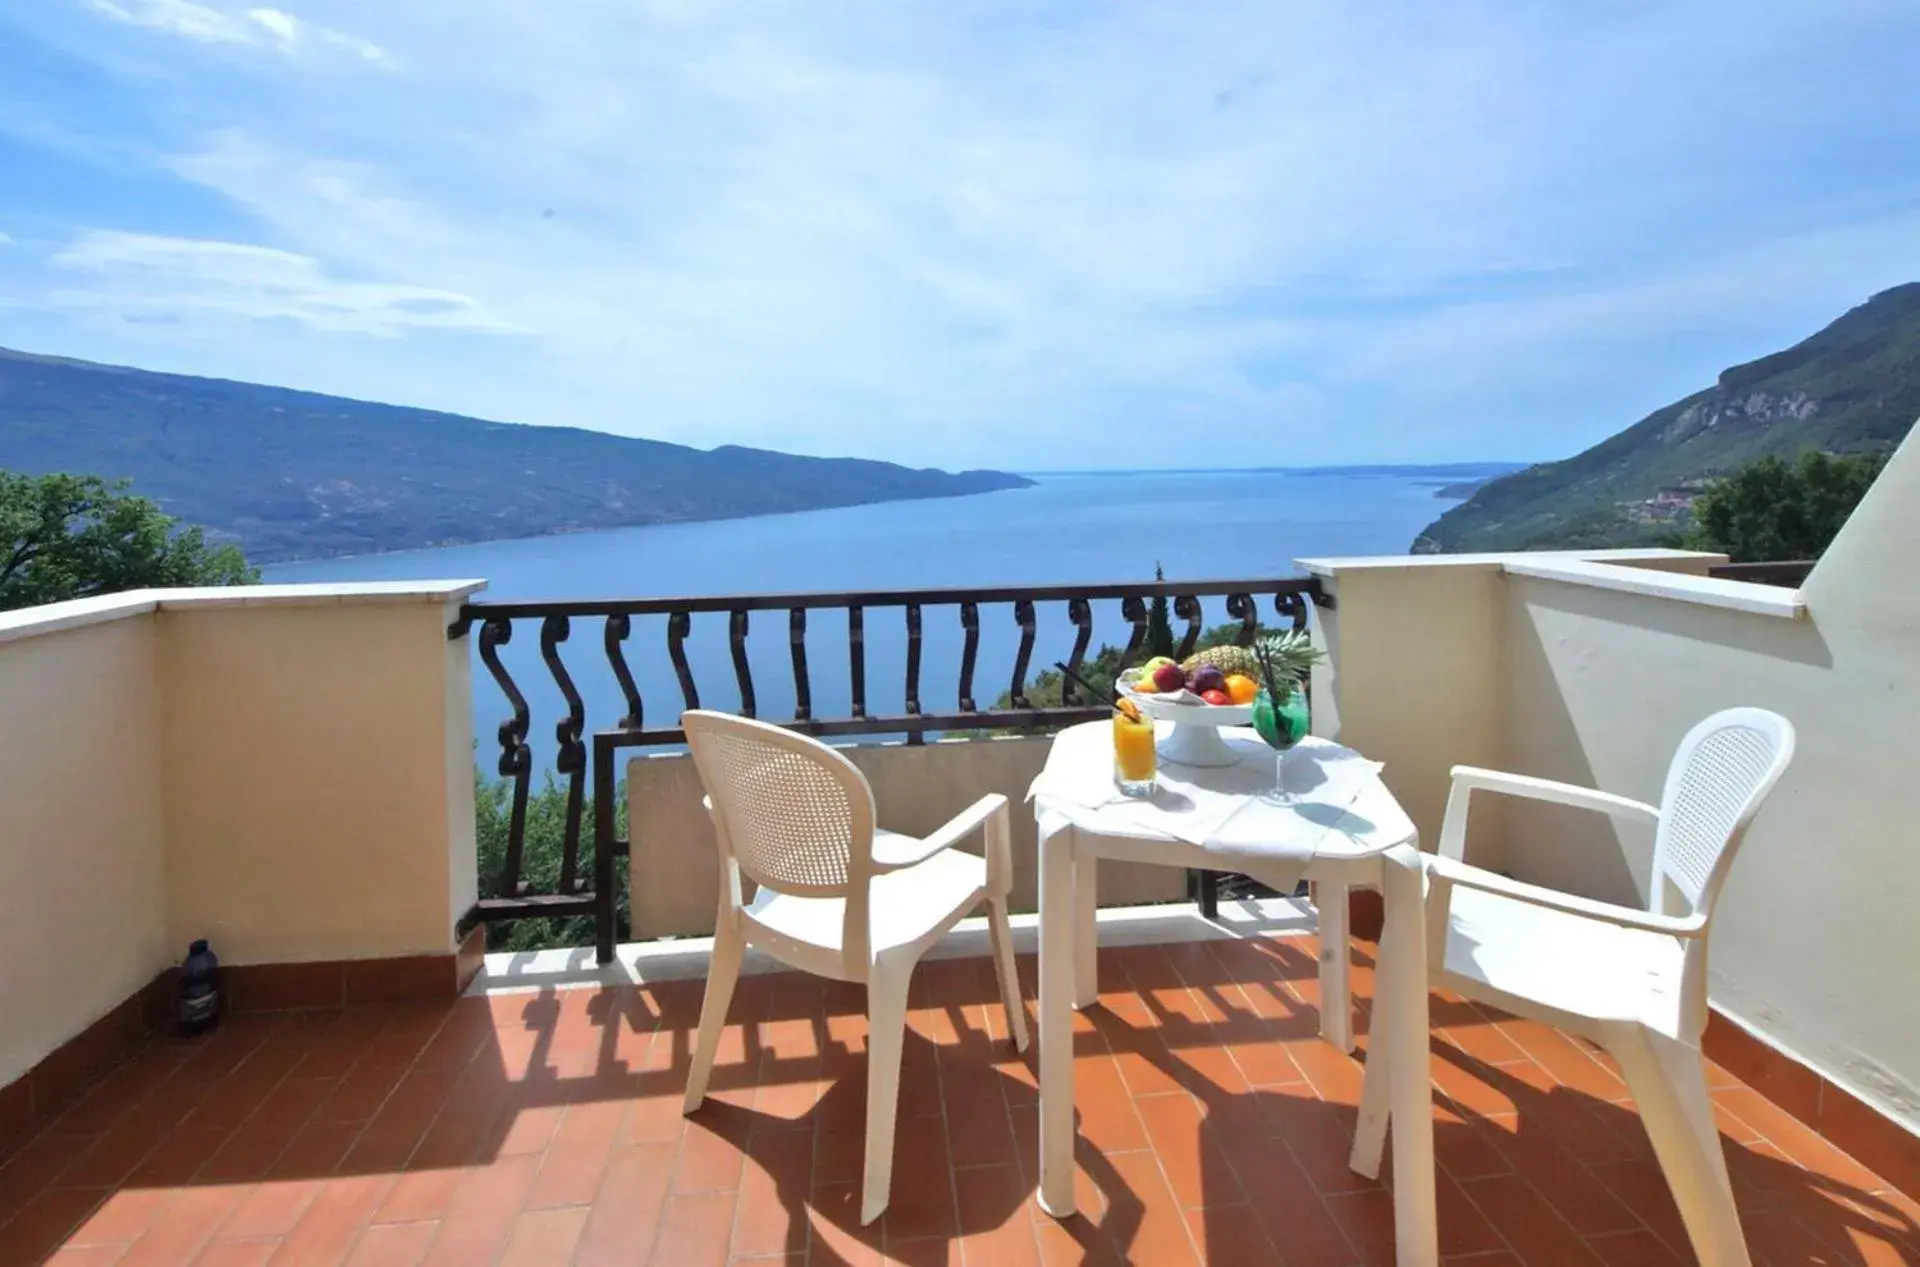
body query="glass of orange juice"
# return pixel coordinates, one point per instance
(1133, 756)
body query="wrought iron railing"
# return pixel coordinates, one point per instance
(582, 756)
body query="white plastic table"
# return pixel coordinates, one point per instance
(1376, 846)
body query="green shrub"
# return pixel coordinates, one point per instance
(1774, 511)
(76, 536)
(540, 859)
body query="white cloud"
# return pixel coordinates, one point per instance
(273, 28)
(1001, 232)
(178, 17)
(365, 50)
(283, 27)
(144, 277)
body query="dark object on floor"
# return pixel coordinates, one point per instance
(199, 1009)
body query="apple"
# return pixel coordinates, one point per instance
(1216, 698)
(1169, 677)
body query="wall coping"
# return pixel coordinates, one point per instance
(1706, 591)
(1497, 561)
(1625, 571)
(32, 622)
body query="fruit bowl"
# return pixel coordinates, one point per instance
(1194, 739)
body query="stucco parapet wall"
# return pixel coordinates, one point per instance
(1668, 574)
(1649, 558)
(32, 622)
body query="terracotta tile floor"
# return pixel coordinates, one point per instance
(545, 1129)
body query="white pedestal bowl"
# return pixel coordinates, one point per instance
(1194, 739)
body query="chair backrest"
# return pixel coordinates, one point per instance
(1722, 771)
(789, 813)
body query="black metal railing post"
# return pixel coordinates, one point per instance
(605, 847)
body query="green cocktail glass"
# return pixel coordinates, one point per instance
(1282, 726)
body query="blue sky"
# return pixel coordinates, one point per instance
(960, 232)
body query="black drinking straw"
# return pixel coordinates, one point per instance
(1266, 671)
(1085, 686)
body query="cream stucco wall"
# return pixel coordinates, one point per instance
(1816, 944)
(456, 739)
(82, 876)
(1414, 679)
(306, 756)
(675, 877)
(1587, 674)
(285, 770)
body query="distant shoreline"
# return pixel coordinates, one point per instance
(268, 564)
(1432, 475)
(1454, 472)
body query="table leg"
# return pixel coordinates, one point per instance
(1370, 1130)
(1403, 996)
(1057, 981)
(1336, 952)
(1086, 934)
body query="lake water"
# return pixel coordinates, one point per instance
(1068, 528)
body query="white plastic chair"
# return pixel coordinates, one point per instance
(837, 896)
(1634, 982)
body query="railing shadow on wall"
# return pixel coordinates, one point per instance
(581, 756)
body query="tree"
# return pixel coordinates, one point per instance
(74, 536)
(1772, 510)
(542, 851)
(1098, 670)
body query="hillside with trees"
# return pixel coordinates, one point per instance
(289, 474)
(1851, 389)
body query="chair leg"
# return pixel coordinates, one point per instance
(729, 948)
(1000, 933)
(886, 1032)
(1669, 1083)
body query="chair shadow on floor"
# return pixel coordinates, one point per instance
(1526, 1161)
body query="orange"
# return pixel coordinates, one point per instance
(1242, 689)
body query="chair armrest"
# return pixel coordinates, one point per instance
(1443, 873)
(1526, 785)
(1469, 779)
(958, 828)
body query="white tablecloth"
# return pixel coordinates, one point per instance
(1268, 815)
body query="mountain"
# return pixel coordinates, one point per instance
(1852, 388)
(291, 474)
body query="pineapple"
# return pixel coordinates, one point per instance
(1291, 656)
(1228, 659)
